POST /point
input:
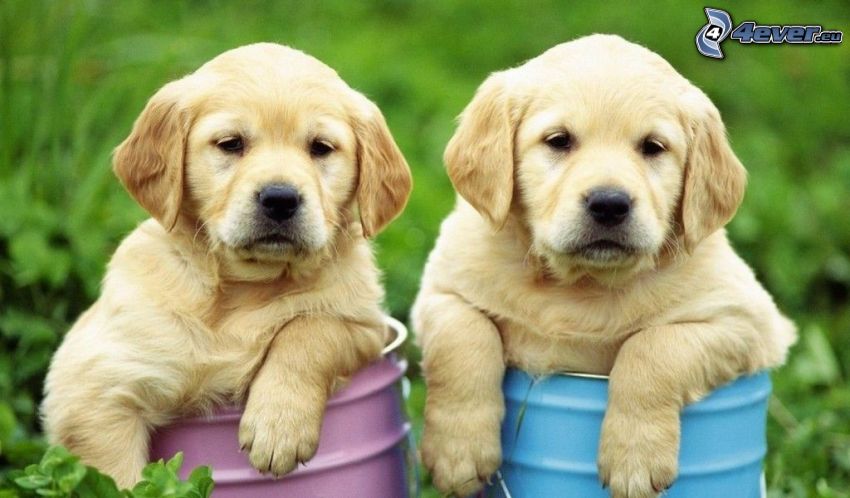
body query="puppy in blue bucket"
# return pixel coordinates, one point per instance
(594, 183)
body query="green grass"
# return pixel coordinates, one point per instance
(74, 75)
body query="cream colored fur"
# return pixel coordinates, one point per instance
(678, 316)
(192, 315)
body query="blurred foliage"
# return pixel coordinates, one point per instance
(60, 474)
(74, 74)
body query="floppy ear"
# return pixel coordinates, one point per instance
(384, 181)
(480, 157)
(149, 162)
(714, 180)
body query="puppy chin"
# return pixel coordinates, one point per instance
(272, 252)
(250, 255)
(608, 266)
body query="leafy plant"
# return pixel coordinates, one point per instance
(61, 475)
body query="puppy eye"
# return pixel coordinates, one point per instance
(231, 145)
(320, 148)
(560, 141)
(652, 147)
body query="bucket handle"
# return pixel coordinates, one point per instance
(400, 335)
(503, 484)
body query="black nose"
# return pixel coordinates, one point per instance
(608, 207)
(279, 202)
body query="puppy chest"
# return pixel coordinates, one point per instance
(225, 356)
(541, 350)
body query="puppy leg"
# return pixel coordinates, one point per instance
(463, 366)
(112, 439)
(286, 400)
(658, 371)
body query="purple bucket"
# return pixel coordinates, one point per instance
(363, 445)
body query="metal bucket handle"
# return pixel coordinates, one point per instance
(503, 484)
(400, 332)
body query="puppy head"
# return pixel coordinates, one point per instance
(607, 155)
(267, 151)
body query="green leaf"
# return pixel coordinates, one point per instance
(175, 463)
(97, 485)
(28, 328)
(151, 469)
(50, 492)
(8, 421)
(157, 480)
(201, 479)
(161, 479)
(34, 259)
(69, 475)
(33, 481)
(816, 364)
(825, 491)
(54, 457)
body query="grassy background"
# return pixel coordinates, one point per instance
(74, 75)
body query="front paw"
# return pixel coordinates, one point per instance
(638, 454)
(280, 431)
(461, 448)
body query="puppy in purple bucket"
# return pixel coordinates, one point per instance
(253, 281)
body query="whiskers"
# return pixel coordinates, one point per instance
(343, 234)
(198, 231)
(671, 248)
(531, 258)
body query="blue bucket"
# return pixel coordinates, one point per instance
(551, 433)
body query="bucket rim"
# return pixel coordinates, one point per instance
(758, 382)
(400, 331)
(603, 377)
(325, 463)
(583, 375)
(562, 373)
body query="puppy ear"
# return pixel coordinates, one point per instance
(714, 180)
(149, 162)
(385, 182)
(480, 157)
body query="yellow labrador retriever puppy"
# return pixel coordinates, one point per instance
(594, 185)
(252, 281)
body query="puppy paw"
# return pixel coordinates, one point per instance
(461, 450)
(638, 455)
(281, 432)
